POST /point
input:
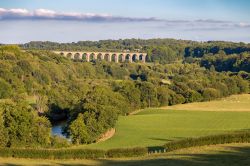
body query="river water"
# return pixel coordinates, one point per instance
(57, 129)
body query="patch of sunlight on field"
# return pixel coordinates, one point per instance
(232, 103)
(219, 155)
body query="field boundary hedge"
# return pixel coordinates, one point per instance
(71, 153)
(240, 137)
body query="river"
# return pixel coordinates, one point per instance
(57, 129)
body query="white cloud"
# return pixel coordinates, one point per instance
(184, 25)
(244, 25)
(44, 13)
(10, 14)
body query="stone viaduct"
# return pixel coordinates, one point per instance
(109, 56)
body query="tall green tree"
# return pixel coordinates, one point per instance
(78, 130)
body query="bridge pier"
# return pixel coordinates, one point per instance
(95, 56)
(109, 57)
(130, 58)
(116, 58)
(123, 57)
(87, 57)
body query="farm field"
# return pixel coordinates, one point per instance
(219, 155)
(154, 127)
(232, 103)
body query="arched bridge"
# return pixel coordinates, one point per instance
(109, 56)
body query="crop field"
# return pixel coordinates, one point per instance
(154, 127)
(219, 155)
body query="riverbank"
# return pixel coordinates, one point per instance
(110, 133)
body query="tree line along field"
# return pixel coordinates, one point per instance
(232, 103)
(154, 127)
(219, 155)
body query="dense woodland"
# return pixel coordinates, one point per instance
(224, 56)
(38, 87)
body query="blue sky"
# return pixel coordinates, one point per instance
(74, 20)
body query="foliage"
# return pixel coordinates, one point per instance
(96, 114)
(59, 142)
(52, 153)
(92, 95)
(129, 152)
(78, 130)
(22, 126)
(242, 137)
(5, 89)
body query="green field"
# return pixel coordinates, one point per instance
(154, 127)
(219, 155)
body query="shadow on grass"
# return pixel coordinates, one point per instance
(160, 148)
(236, 157)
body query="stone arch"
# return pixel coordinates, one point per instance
(114, 57)
(69, 55)
(135, 57)
(92, 56)
(123, 57)
(61, 53)
(120, 57)
(108, 57)
(142, 57)
(128, 57)
(77, 56)
(99, 56)
(85, 57)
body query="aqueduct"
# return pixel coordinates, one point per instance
(109, 56)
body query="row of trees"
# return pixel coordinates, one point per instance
(159, 50)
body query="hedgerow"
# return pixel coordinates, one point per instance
(71, 153)
(239, 137)
(128, 152)
(66, 153)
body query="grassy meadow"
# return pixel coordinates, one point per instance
(219, 155)
(154, 127)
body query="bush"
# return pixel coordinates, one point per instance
(59, 142)
(210, 94)
(129, 152)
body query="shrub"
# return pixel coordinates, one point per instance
(59, 142)
(210, 94)
(129, 152)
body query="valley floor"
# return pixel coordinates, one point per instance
(154, 127)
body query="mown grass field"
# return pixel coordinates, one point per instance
(154, 127)
(219, 155)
